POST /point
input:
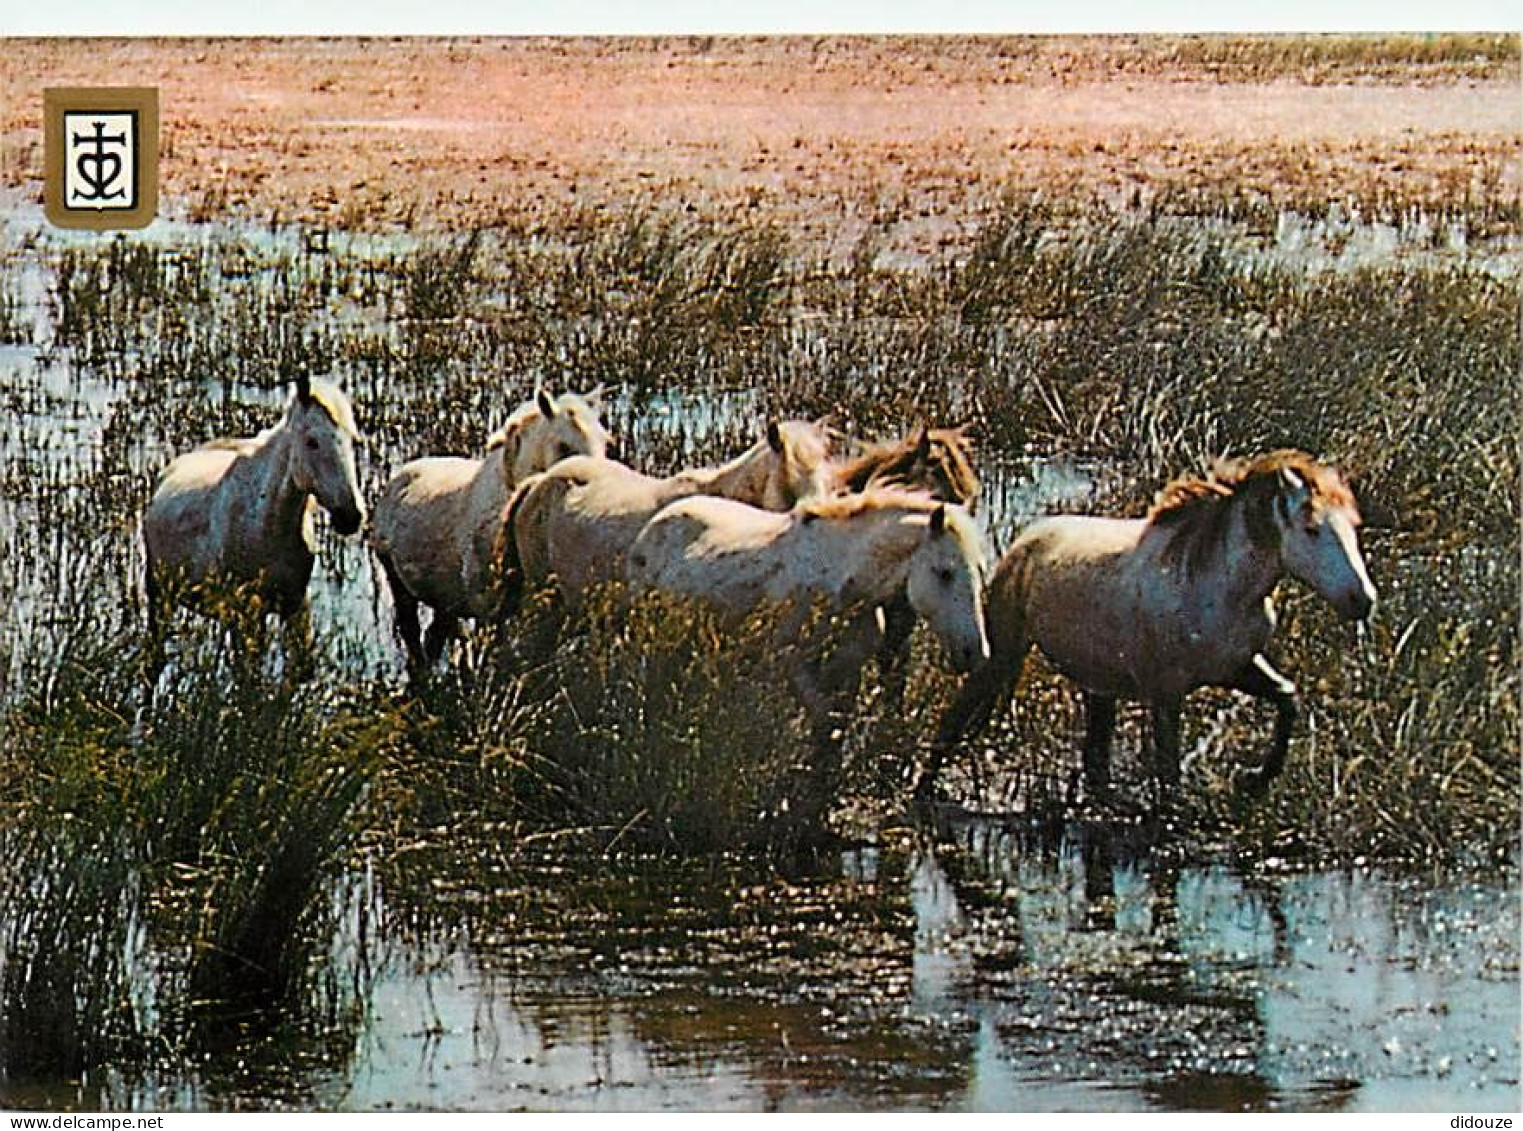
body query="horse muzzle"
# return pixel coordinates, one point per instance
(1359, 604)
(347, 520)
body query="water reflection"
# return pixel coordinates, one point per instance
(959, 968)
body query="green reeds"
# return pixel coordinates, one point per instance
(172, 852)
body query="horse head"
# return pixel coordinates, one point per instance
(945, 585)
(324, 435)
(548, 429)
(1317, 521)
(797, 455)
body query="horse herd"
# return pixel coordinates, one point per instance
(1147, 608)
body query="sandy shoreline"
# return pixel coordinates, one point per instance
(424, 133)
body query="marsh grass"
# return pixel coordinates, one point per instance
(652, 735)
(1144, 343)
(172, 850)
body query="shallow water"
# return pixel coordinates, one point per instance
(970, 970)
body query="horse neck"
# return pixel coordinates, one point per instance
(871, 549)
(744, 477)
(495, 468)
(265, 475)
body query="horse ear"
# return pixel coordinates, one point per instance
(922, 440)
(546, 403)
(1294, 492)
(774, 436)
(303, 388)
(939, 521)
(595, 398)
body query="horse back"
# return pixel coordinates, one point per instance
(178, 521)
(731, 553)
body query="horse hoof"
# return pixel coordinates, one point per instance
(1253, 783)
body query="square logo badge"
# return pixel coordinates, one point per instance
(101, 151)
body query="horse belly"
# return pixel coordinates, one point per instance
(1087, 628)
(1113, 641)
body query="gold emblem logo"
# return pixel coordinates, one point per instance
(101, 156)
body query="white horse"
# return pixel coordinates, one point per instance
(240, 512)
(1153, 608)
(438, 518)
(850, 555)
(575, 522)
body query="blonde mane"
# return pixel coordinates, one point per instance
(938, 459)
(807, 445)
(1198, 509)
(331, 399)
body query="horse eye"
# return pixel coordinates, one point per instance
(944, 576)
(311, 443)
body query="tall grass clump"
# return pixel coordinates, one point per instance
(71, 904)
(172, 851)
(668, 732)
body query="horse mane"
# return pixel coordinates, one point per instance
(807, 443)
(1198, 509)
(239, 444)
(517, 420)
(331, 399)
(899, 462)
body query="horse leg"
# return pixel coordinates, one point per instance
(440, 631)
(1166, 713)
(153, 655)
(1259, 679)
(985, 689)
(827, 676)
(405, 612)
(296, 638)
(1099, 724)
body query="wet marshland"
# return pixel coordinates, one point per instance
(577, 884)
